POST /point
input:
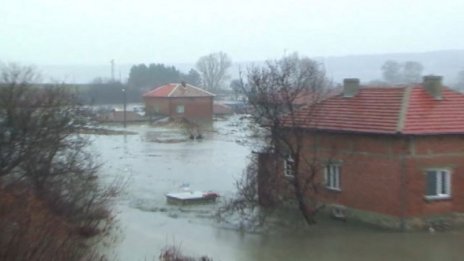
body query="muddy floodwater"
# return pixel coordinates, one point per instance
(160, 160)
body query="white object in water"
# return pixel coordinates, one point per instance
(191, 197)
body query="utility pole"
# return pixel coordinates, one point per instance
(124, 115)
(112, 70)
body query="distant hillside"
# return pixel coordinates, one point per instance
(366, 67)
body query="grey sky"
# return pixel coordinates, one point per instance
(176, 31)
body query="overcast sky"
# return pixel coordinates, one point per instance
(177, 31)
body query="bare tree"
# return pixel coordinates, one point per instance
(193, 77)
(412, 72)
(397, 73)
(276, 92)
(236, 86)
(213, 69)
(391, 71)
(43, 155)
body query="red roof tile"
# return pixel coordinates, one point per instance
(177, 90)
(388, 110)
(426, 115)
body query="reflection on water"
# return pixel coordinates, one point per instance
(214, 163)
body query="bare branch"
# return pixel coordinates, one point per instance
(213, 69)
(45, 166)
(277, 92)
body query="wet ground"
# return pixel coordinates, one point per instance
(161, 160)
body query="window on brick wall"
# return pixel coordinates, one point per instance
(438, 183)
(289, 166)
(180, 109)
(332, 176)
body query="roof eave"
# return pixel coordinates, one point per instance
(396, 133)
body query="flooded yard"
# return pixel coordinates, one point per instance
(159, 160)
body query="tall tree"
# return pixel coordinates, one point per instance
(159, 74)
(276, 92)
(412, 72)
(236, 86)
(104, 91)
(391, 71)
(213, 69)
(396, 73)
(138, 75)
(153, 75)
(193, 77)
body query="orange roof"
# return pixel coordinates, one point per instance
(388, 110)
(178, 90)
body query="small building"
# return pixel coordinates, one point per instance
(180, 101)
(391, 156)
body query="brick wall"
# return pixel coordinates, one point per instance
(446, 151)
(157, 105)
(386, 173)
(370, 170)
(195, 108)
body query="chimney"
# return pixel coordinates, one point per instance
(184, 84)
(350, 87)
(433, 85)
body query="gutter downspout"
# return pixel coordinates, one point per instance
(403, 156)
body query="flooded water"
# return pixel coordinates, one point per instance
(160, 160)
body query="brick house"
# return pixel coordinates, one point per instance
(391, 156)
(180, 101)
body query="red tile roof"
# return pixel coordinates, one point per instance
(308, 97)
(388, 110)
(177, 90)
(427, 116)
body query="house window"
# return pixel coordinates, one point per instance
(438, 184)
(332, 176)
(180, 109)
(289, 166)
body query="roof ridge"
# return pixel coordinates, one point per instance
(151, 91)
(200, 89)
(403, 109)
(173, 89)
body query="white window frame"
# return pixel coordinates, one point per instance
(180, 109)
(332, 176)
(289, 166)
(442, 192)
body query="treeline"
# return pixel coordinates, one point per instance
(395, 72)
(103, 91)
(211, 73)
(142, 78)
(409, 72)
